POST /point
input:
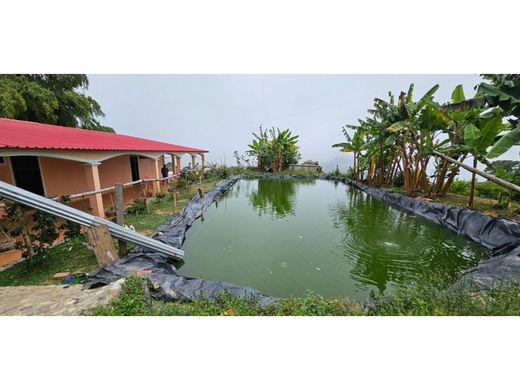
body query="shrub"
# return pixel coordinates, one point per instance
(137, 207)
(72, 229)
(178, 183)
(350, 173)
(160, 195)
(460, 186)
(223, 172)
(110, 211)
(488, 189)
(37, 239)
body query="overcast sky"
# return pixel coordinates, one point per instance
(219, 112)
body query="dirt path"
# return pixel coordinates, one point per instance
(53, 300)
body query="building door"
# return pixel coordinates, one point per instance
(27, 175)
(134, 165)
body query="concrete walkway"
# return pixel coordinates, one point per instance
(53, 300)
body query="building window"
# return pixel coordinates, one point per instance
(134, 166)
(2, 160)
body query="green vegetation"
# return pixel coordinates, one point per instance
(500, 301)
(37, 229)
(137, 207)
(135, 300)
(73, 256)
(507, 202)
(57, 99)
(402, 137)
(484, 205)
(274, 150)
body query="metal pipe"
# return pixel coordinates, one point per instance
(492, 178)
(50, 206)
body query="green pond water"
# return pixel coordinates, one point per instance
(285, 237)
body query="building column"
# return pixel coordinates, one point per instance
(174, 165)
(156, 186)
(179, 167)
(202, 164)
(94, 184)
(193, 161)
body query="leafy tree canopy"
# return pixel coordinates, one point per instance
(508, 166)
(274, 150)
(57, 99)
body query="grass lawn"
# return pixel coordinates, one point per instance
(74, 256)
(160, 209)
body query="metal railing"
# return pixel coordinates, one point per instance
(68, 213)
(111, 189)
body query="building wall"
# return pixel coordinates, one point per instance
(115, 170)
(147, 168)
(62, 177)
(5, 171)
(305, 167)
(65, 177)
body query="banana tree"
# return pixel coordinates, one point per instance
(260, 149)
(500, 99)
(274, 149)
(502, 92)
(284, 146)
(478, 138)
(505, 88)
(354, 144)
(413, 134)
(452, 124)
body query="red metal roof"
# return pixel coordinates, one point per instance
(33, 135)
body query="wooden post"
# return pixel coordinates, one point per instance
(102, 243)
(193, 161)
(120, 215)
(473, 182)
(202, 164)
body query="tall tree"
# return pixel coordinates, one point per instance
(57, 99)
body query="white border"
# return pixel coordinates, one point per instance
(232, 36)
(269, 36)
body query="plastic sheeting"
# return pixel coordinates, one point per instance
(500, 235)
(161, 270)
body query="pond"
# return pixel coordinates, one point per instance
(286, 237)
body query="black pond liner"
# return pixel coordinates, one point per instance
(500, 235)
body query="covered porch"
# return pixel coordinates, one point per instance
(87, 178)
